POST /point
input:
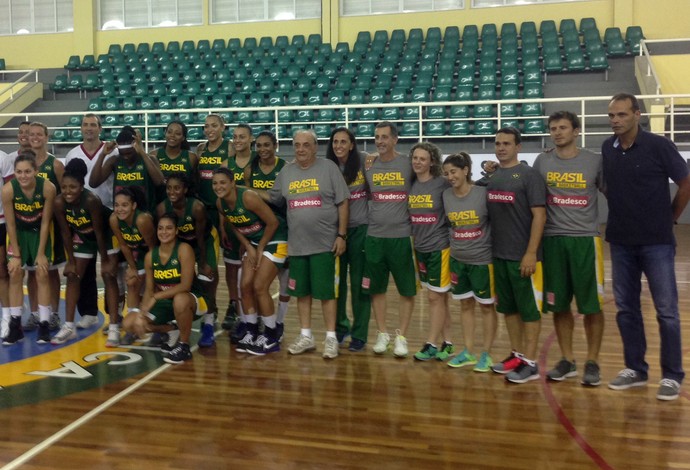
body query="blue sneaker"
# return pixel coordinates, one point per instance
(357, 345)
(465, 358)
(208, 337)
(264, 344)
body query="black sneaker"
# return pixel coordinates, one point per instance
(280, 328)
(179, 354)
(238, 332)
(264, 344)
(54, 323)
(16, 332)
(231, 317)
(357, 345)
(246, 342)
(43, 333)
(563, 370)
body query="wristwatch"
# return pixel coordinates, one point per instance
(342, 235)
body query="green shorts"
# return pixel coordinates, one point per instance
(84, 247)
(389, 255)
(472, 280)
(315, 275)
(162, 312)
(277, 252)
(434, 269)
(231, 251)
(573, 266)
(28, 246)
(517, 294)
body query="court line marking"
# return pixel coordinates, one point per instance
(560, 414)
(74, 425)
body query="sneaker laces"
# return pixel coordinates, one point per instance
(261, 341)
(64, 332)
(247, 338)
(669, 383)
(628, 373)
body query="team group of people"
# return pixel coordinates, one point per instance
(521, 241)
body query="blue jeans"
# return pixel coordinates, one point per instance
(657, 263)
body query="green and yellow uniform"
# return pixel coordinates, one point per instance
(127, 176)
(186, 232)
(165, 276)
(28, 214)
(134, 240)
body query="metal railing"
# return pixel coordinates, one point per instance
(593, 124)
(10, 86)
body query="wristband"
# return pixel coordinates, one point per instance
(342, 235)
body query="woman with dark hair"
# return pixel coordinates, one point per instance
(135, 232)
(260, 175)
(342, 149)
(431, 245)
(172, 299)
(175, 156)
(261, 235)
(82, 219)
(470, 264)
(28, 203)
(194, 228)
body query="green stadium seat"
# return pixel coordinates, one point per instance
(575, 61)
(534, 126)
(314, 40)
(486, 92)
(114, 49)
(547, 26)
(508, 30)
(322, 83)
(531, 109)
(364, 130)
(147, 102)
(489, 30)
(528, 28)
(75, 83)
(59, 84)
(566, 26)
(598, 60)
(533, 91)
(587, 24)
(633, 36)
(315, 97)
(92, 83)
(435, 128)
(73, 63)
(282, 42)
(459, 128)
(234, 44)
(276, 98)
(553, 62)
(487, 127)
(129, 49)
(484, 111)
(75, 135)
(298, 40)
(88, 63)
(409, 129)
(615, 45)
(158, 48)
(60, 135)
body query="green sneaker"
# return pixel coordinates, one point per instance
(463, 359)
(447, 350)
(428, 352)
(484, 364)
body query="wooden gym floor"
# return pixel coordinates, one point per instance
(229, 410)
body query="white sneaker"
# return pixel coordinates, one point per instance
(87, 321)
(400, 348)
(65, 334)
(330, 348)
(113, 340)
(303, 344)
(382, 343)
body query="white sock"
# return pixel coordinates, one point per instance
(44, 312)
(331, 334)
(208, 318)
(305, 332)
(282, 311)
(16, 311)
(252, 318)
(69, 324)
(270, 321)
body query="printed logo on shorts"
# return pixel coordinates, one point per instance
(366, 282)
(292, 284)
(550, 298)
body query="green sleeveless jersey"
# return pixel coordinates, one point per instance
(134, 176)
(132, 236)
(248, 223)
(238, 171)
(47, 171)
(28, 212)
(186, 225)
(260, 180)
(209, 161)
(169, 274)
(179, 164)
(79, 219)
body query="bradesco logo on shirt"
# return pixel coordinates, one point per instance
(390, 196)
(507, 197)
(305, 203)
(423, 219)
(567, 201)
(467, 234)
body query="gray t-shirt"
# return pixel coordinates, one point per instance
(429, 225)
(311, 196)
(389, 185)
(359, 204)
(470, 231)
(511, 193)
(573, 187)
